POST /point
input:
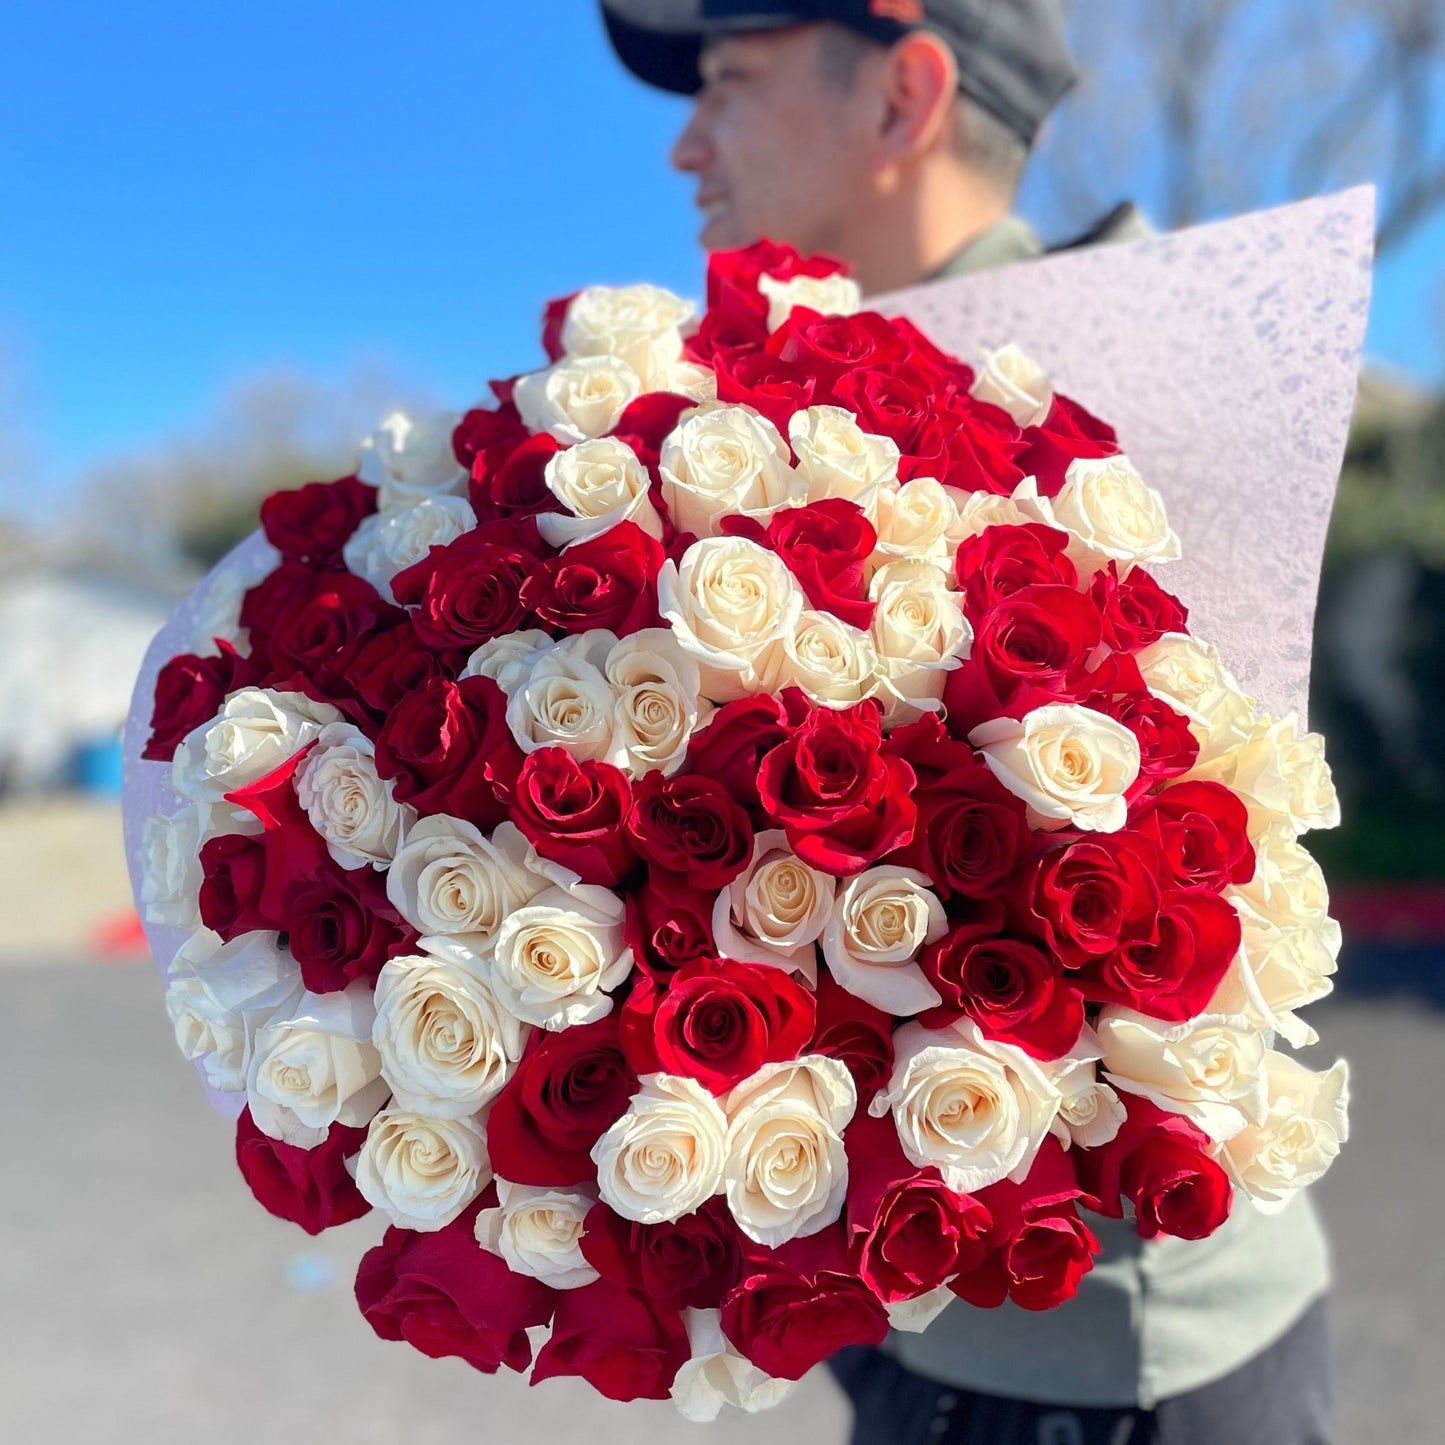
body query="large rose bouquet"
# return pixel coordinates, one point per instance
(732, 848)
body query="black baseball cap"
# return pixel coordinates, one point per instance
(1012, 55)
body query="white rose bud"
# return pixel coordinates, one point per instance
(687, 378)
(639, 325)
(882, 919)
(717, 1376)
(447, 1047)
(1210, 1068)
(775, 910)
(920, 635)
(1191, 677)
(976, 1109)
(786, 1174)
(601, 483)
(1090, 1112)
(1016, 382)
(1307, 1120)
(916, 520)
(835, 295)
(408, 461)
(978, 511)
(664, 1157)
(1071, 765)
(508, 659)
(538, 1231)
(317, 1068)
(557, 957)
(391, 541)
(577, 398)
(1281, 775)
(657, 702)
(832, 662)
(348, 802)
(422, 1172)
(837, 458)
(566, 700)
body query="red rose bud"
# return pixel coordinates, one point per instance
(233, 898)
(509, 479)
(624, 1346)
(605, 582)
(825, 546)
(731, 747)
(717, 1022)
(391, 664)
(669, 924)
(1065, 435)
(1041, 637)
(575, 813)
(828, 347)
(689, 1263)
(777, 389)
(690, 825)
(1202, 832)
(270, 602)
(341, 928)
(326, 626)
(1136, 611)
(313, 523)
(444, 1295)
(554, 318)
(842, 802)
(733, 276)
(309, 1187)
(645, 423)
(856, 1034)
(1002, 561)
(483, 428)
(568, 1090)
(190, 691)
(1096, 895)
(1167, 747)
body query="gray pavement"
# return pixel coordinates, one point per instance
(146, 1300)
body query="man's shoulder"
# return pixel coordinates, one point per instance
(1011, 239)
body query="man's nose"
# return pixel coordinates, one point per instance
(692, 151)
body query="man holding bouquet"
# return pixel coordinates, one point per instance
(893, 134)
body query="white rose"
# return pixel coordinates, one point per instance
(601, 483)
(566, 701)
(557, 957)
(639, 325)
(220, 994)
(391, 541)
(171, 868)
(1287, 886)
(1016, 382)
(687, 378)
(422, 1172)
(722, 459)
(449, 879)
(317, 1067)
(407, 461)
(538, 1231)
(255, 732)
(832, 662)
(775, 910)
(881, 920)
(920, 635)
(786, 1173)
(730, 603)
(1191, 677)
(664, 1157)
(976, 1109)
(835, 295)
(1280, 774)
(978, 511)
(1090, 1112)
(837, 458)
(446, 1045)
(508, 659)
(348, 802)
(1110, 513)
(1209, 1068)
(657, 702)
(219, 615)
(1071, 765)
(913, 1316)
(1306, 1121)
(577, 398)
(717, 1376)
(916, 519)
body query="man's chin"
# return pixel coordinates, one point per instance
(722, 233)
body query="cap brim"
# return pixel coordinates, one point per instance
(660, 41)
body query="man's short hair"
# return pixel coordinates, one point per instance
(980, 141)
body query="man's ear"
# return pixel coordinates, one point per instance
(920, 88)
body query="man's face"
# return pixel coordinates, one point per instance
(779, 149)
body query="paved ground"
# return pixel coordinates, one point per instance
(145, 1300)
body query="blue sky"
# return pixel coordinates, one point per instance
(191, 195)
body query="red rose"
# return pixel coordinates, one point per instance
(646, 423)
(924, 358)
(190, 691)
(907, 1231)
(856, 1034)
(1066, 434)
(567, 1091)
(469, 591)
(310, 1187)
(829, 347)
(689, 1263)
(1041, 637)
(325, 628)
(233, 898)
(971, 830)
(796, 1306)
(825, 546)
(1136, 611)
(392, 664)
(445, 1295)
(605, 582)
(1096, 895)
(1202, 832)
(1174, 973)
(485, 427)
(266, 605)
(341, 927)
(732, 277)
(554, 318)
(842, 802)
(1167, 747)
(313, 523)
(1001, 561)
(1010, 987)
(773, 387)
(723, 336)
(690, 825)
(1160, 1162)
(967, 444)
(669, 924)
(622, 1344)
(733, 743)
(716, 1022)
(449, 749)
(509, 478)
(575, 814)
